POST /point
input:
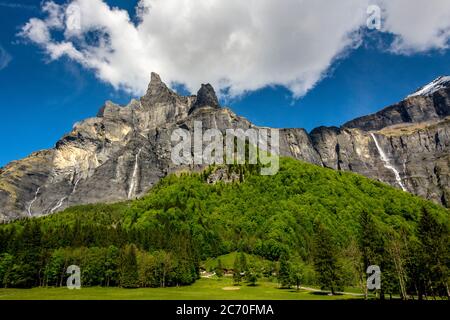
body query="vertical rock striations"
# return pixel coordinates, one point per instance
(125, 150)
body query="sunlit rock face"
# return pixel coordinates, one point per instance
(125, 150)
(417, 153)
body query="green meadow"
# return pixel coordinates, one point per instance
(203, 289)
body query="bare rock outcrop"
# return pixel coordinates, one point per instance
(125, 150)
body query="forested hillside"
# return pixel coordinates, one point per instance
(314, 225)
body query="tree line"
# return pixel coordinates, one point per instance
(313, 225)
(416, 270)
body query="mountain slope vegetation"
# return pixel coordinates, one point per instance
(161, 239)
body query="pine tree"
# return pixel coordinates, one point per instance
(237, 277)
(129, 268)
(371, 245)
(27, 272)
(243, 262)
(6, 265)
(369, 240)
(325, 260)
(111, 266)
(433, 250)
(219, 268)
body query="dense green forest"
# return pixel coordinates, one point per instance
(310, 225)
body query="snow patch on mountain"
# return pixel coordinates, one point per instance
(432, 87)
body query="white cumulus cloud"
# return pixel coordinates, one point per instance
(235, 45)
(419, 25)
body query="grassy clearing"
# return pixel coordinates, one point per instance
(203, 289)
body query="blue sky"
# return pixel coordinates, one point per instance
(40, 98)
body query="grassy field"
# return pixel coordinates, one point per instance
(203, 289)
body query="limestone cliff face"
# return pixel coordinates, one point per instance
(428, 103)
(414, 157)
(125, 150)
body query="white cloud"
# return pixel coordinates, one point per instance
(418, 25)
(234, 44)
(37, 31)
(5, 58)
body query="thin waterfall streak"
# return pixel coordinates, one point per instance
(387, 163)
(33, 201)
(134, 177)
(58, 205)
(75, 185)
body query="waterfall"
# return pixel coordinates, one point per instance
(387, 163)
(32, 201)
(61, 201)
(75, 185)
(134, 177)
(58, 205)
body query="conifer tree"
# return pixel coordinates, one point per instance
(325, 260)
(219, 268)
(433, 250)
(28, 270)
(237, 277)
(369, 240)
(129, 268)
(371, 245)
(243, 262)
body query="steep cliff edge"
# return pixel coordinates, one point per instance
(125, 150)
(431, 102)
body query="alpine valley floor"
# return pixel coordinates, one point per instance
(203, 289)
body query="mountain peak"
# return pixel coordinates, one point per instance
(156, 85)
(437, 84)
(410, 110)
(206, 97)
(155, 78)
(158, 92)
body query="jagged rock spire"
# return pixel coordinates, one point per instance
(156, 85)
(158, 92)
(206, 97)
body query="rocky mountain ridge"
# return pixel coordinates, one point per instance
(125, 150)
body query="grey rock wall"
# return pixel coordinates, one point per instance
(125, 150)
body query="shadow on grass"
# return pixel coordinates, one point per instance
(293, 290)
(324, 293)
